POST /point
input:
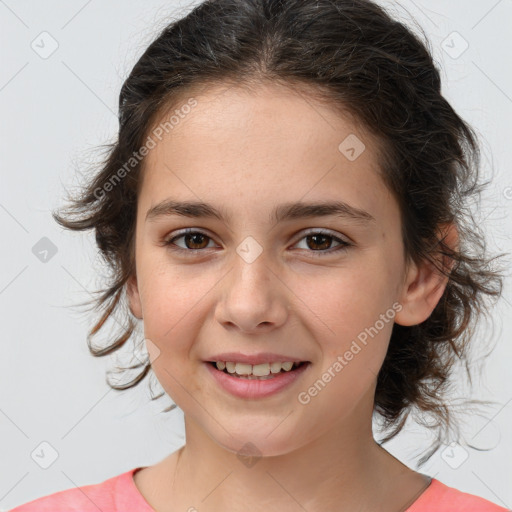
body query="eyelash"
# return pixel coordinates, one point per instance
(169, 242)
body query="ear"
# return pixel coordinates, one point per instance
(424, 285)
(132, 291)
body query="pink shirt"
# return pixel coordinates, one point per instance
(119, 494)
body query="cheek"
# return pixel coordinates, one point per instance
(169, 291)
(348, 298)
(351, 314)
(172, 320)
(174, 301)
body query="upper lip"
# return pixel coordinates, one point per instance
(260, 358)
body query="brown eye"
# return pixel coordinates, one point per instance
(193, 241)
(320, 242)
(196, 240)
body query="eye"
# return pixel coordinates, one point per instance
(320, 239)
(195, 241)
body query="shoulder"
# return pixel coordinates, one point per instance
(443, 498)
(107, 496)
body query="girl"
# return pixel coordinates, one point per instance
(285, 212)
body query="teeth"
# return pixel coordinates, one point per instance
(258, 370)
(261, 370)
(243, 369)
(275, 367)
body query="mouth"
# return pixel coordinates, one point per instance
(259, 381)
(263, 371)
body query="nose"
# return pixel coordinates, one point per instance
(253, 298)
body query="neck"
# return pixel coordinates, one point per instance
(344, 470)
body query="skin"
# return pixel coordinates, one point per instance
(248, 151)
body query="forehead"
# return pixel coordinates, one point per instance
(271, 141)
(234, 112)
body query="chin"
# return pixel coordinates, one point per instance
(256, 444)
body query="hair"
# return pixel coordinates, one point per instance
(354, 56)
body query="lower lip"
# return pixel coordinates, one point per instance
(255, 388)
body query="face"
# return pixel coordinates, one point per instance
(310, 287)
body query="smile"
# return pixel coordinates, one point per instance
(264, 370)
(258, 381)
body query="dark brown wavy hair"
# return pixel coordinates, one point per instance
(356, 57)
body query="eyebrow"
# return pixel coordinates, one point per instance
(286, 211)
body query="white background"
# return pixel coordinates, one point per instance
(54, 113)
